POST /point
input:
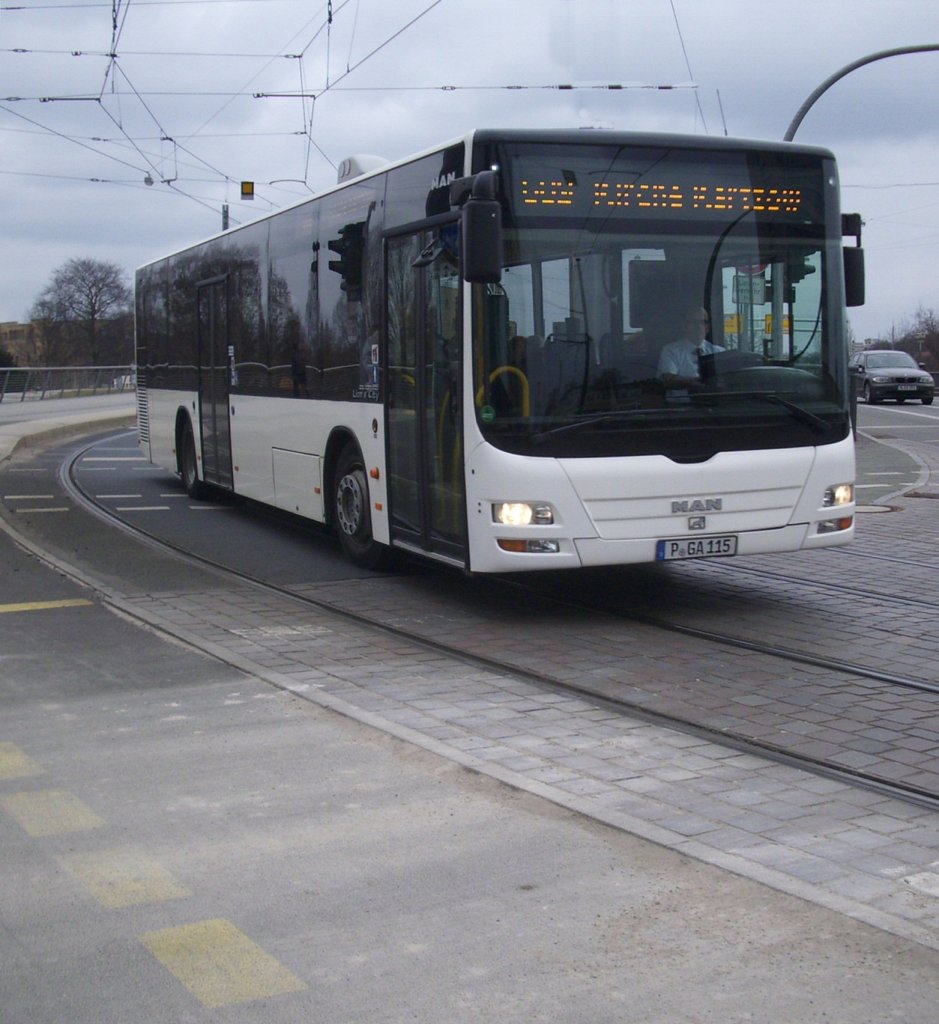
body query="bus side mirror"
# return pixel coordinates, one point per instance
(854, 276)
(851, 224)
(481, 227)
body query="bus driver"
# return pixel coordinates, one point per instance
(678, 361)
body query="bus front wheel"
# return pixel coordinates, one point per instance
(352, 509)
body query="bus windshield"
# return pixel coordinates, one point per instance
(635, 322)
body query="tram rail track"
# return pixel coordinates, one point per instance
(849, 590)
(924, 795)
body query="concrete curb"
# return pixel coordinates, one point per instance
(14, 437)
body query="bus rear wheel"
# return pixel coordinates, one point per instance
(352, 510)
(188, 466)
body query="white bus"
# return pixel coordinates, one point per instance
(470, 354)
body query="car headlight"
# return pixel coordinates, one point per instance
(881, 380)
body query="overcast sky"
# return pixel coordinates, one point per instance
(128, 157)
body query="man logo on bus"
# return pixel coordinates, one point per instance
(443, 180)
(697, 505)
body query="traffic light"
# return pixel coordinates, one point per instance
(350, 248)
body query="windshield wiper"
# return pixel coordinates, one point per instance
(817, 424)
(588, 421)
(803, 415)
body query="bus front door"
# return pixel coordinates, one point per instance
(427, 494)
(216, 364)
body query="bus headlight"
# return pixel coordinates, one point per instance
(838, 494)
(522, 513)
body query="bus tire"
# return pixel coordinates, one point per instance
(188, 464)
(352, 512)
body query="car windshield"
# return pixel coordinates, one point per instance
(881, 360)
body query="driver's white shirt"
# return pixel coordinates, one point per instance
(680, 358)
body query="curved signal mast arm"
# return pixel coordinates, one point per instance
(829, 82)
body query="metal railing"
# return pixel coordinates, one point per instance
(36, 383)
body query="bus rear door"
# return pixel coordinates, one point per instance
(216, 365)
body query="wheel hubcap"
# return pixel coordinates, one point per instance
(350, 505)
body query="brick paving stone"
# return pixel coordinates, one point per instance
(584, 787)
(814, 869)
(689, 825)
(733, 840)
(862, 888)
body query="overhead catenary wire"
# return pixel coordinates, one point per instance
(202, 54)
(31, 8)
(118, 84)
(684, 50)
(355, 25)
(307, 94)
(546, 86)
(119, 10)
(381, 46)
(117, 28)
(327, 16)
(233, 96)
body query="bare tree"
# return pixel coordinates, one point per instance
(85, 313)
(920, 336)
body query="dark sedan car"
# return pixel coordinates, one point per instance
(891, 374)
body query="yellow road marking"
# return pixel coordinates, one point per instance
(123, 877)
(219, 964)
(41, 606)
(15, 764)
(50, 812)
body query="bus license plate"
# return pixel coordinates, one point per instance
(696, 547)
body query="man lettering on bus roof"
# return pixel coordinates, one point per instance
(679, 363)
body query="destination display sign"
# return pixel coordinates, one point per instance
(638, 183)
(610, 195)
